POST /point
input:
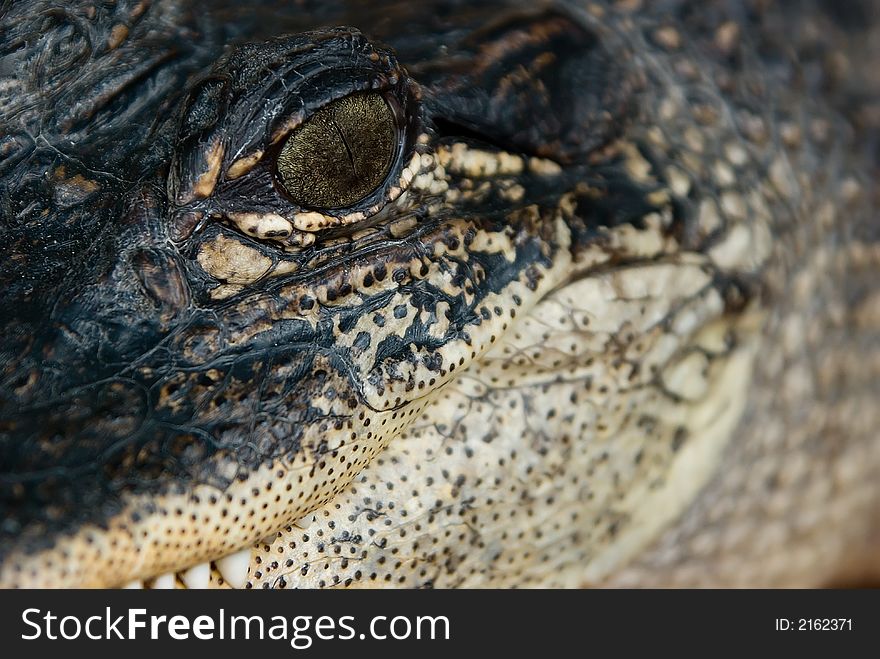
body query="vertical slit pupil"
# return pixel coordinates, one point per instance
(341, 154)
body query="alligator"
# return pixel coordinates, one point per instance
(576, 293)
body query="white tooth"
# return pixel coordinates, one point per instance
(134, 585)
(198, 576)
(234, 567)
(164, 582)
(304, 522)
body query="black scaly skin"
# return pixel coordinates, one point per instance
(125, 374)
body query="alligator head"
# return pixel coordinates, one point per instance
(479, 309)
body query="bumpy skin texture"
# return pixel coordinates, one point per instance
(611, 319)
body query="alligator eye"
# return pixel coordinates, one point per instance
(341, 154)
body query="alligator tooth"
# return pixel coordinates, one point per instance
(197, 576)
(134, 585)
(234, 567)
(305, 521)
(163, 582)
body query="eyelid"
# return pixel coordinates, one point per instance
(233, 166)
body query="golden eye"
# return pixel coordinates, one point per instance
(341, 154)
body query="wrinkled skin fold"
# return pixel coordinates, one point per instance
(558, 294)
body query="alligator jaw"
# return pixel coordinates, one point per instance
(231, 570)
(182, 534)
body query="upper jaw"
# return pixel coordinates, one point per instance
(175, 533)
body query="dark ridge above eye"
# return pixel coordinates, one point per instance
(341, 154)
(536, 82)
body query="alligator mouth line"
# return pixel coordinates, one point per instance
(231, 570)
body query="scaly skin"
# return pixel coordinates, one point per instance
(611, 318)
